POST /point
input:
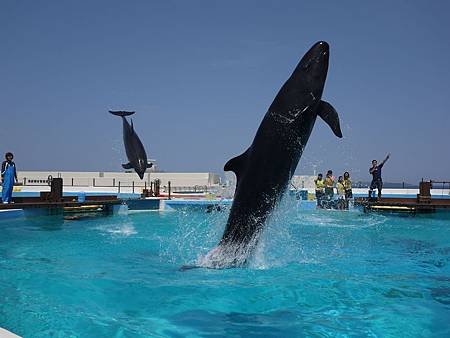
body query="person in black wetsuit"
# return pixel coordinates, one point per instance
(375, 171)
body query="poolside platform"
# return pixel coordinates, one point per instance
(66, 204)
(424, 203)
(74, 206)
(403, 205)
(53, 203)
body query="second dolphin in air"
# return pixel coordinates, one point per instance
(264, 170)
(136, 154)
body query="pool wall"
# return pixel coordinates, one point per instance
(25, 191)
(176, 204)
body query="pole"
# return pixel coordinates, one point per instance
(169, 190)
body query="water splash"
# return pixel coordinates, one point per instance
(228, 256)
(122, 229)
(280, 243)
(196, 232)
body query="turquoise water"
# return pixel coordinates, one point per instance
(315, 273)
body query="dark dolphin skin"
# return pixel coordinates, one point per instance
(264, 170)
(136, 154)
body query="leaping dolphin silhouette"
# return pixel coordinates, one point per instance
(136, 154)
(264, 170)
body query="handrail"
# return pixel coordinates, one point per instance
(132, 184)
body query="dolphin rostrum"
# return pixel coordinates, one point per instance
(133, 146)
(264, 170)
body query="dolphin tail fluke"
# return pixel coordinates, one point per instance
(330, 116)
(122, 113)
(127, 166)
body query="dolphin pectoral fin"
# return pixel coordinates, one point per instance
(236, 164)
(327, 112)
(149, 165)
(127, 166)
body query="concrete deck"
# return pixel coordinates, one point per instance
(7, 334)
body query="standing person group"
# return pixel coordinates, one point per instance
(325, 191)
(9, 175)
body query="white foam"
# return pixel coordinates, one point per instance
(125, 230)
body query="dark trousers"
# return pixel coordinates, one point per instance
(376, 184)
(329, 193)
(319, 196)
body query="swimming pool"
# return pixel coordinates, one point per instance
(315, 273)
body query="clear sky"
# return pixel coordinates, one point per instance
(201, 75)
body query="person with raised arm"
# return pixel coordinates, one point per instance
(377, 181)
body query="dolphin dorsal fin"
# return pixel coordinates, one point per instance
(327, 112)
(237, 164)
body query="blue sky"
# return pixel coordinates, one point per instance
(201, 75)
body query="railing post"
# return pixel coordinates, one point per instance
(72, 181)
(114, 182)
(133, 187)
(93, 182)
(170, 188)
(118, 190)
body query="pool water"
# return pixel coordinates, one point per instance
(314, 273)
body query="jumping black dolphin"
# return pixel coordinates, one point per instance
(264, 170)
(136, 154)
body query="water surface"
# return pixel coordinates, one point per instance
(315, 273)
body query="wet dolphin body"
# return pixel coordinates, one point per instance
(264, 170)
(136, 154)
